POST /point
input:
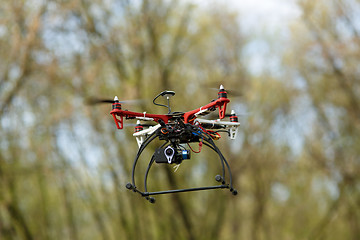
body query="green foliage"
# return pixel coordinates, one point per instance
(63, 165)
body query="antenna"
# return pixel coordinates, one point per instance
(167, 95)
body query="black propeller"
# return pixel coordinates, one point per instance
(94, 101)
(136, 124)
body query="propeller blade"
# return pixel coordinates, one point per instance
(94, 101)
(134, 125)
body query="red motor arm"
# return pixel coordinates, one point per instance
(119, 115)
(218, 103)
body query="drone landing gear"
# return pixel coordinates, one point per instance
(152, 200)
(207, 140)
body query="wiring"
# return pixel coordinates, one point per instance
(226, 131)
(213, 134)
(200, 146)
(166, 94)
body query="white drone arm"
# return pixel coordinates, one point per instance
(141, 135)
(232, 126)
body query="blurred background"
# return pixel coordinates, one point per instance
(294, 69)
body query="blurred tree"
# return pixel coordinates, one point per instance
(63, 165)
(324, 61)
(52, 144)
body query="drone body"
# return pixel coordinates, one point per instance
(177, 129)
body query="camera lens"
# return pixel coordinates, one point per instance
(169, 151)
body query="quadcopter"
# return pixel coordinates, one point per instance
(176, 130)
